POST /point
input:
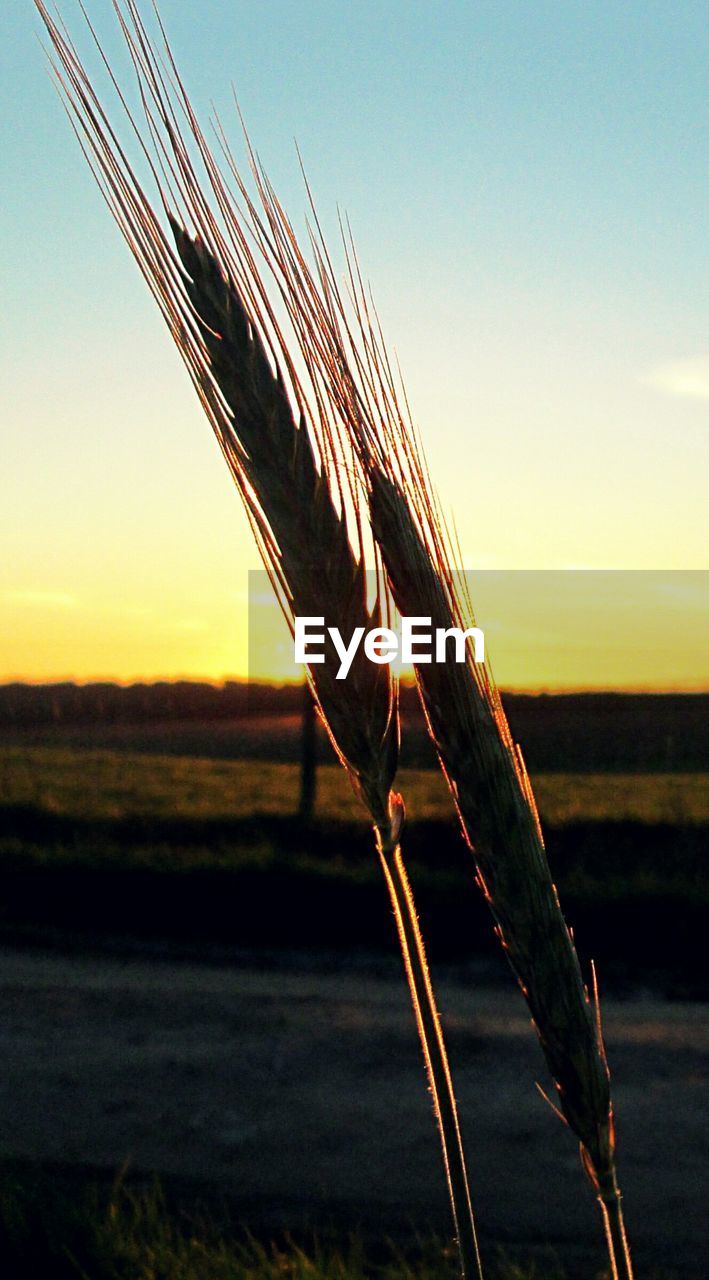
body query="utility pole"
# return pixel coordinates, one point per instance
(308, 756)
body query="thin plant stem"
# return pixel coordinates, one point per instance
(435, 1056)
(611, 1203)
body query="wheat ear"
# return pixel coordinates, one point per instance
(294, 506)
(495, 803)
(301, 509)
(327, 579)
(273, 436)
(482, 764)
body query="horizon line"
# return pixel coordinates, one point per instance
(534, 690)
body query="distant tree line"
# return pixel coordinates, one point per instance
(559, 732)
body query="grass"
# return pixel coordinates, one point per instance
(76, 1229)
(115, 784)
(69, 1226)
(194, 851)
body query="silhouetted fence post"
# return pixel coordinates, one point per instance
(308, 756)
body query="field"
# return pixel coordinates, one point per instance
(212, 852)
(202, 984)
(113, 785)
(83, 1230)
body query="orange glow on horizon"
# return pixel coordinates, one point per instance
(544, 632)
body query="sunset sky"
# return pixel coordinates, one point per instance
(528, 188)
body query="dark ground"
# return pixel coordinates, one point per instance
(635, 893)
(297, 1091)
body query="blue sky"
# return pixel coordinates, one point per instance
(528, 187)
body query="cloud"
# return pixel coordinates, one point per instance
(42, 599)
(686, 379)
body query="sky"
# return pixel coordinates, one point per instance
(528, 188)
(539, 630)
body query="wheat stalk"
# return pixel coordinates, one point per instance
(482, 763)
(280, 446)
(495, 803)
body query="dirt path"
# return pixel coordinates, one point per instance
(301, 1094)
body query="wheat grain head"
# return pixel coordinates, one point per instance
(483, 765)
(273, 435)
(278, 437)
